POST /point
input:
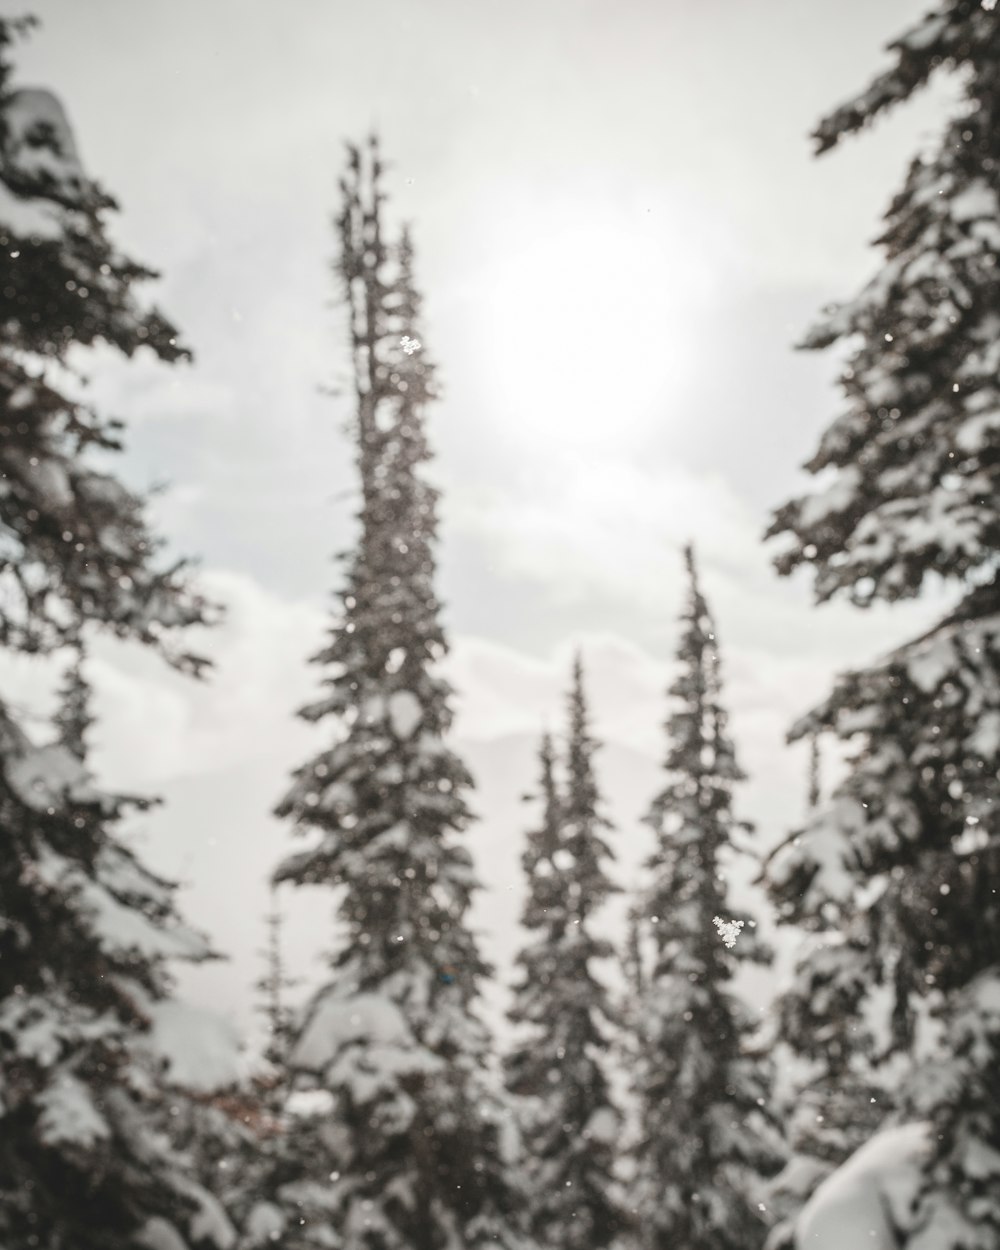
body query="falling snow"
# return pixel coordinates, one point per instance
(729, 930)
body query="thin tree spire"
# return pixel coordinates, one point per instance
(407, 1157)
(74, 717)
(274, 983)
(566, 1022)
(704, 1137)
(813, 796)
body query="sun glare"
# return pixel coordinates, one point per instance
(588, 344)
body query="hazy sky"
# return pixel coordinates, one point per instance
(620, 232)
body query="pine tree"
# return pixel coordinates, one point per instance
(545, 916)
(77, 547)
(73, 717)
(705, 1139)
(815, 788)
(904, 858)
(408, 1154)
(821, 1016)
(572, 1125)
(86, 931)
(836, 1100)
(272, 987)
(266, 1148)
(241, 1141)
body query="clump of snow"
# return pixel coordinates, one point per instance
(125, 929)
(984, 740)
(931, 662)
(120, 871)
(869, 1196)
(978, 199)
(121, 927)
(790, 1189)
(405, 712)
(309, 1103)
(39, 137)
(210, 1222)
(926, 32)
(39, 1025)
(984, 994)
(825, 851)
(160, 1234)
(265, 1223)
(372, 709)
(48, 478)
(68, 1115)
(42, 777)
(199, 1048)
(603, 1125)
(337, 1021)
(28, 219)
(837, 496)
(39, 146)
(363, 1042)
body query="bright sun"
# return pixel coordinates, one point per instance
(590, 333)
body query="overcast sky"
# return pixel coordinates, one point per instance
(620, 234)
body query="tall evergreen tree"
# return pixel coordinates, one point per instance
(408, 1154)
(572, 1125)
(904, 859)
(705, 1139)
(86, 931)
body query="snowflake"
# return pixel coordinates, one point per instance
(729, 930)
(410, 345)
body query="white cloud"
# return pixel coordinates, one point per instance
(155, 726)
(220, 752)
(586, 524)
(589, 528)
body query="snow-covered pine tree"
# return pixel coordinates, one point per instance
(272, 986)
(905, 857)
(264, 1147)
(705, 1139)
(821, 1016)
(85, 940)
(74, 717)
(834, 1101)
(408, 1154)
(85, 930)
(561, 1063)
(76, 546)
(545, 917)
